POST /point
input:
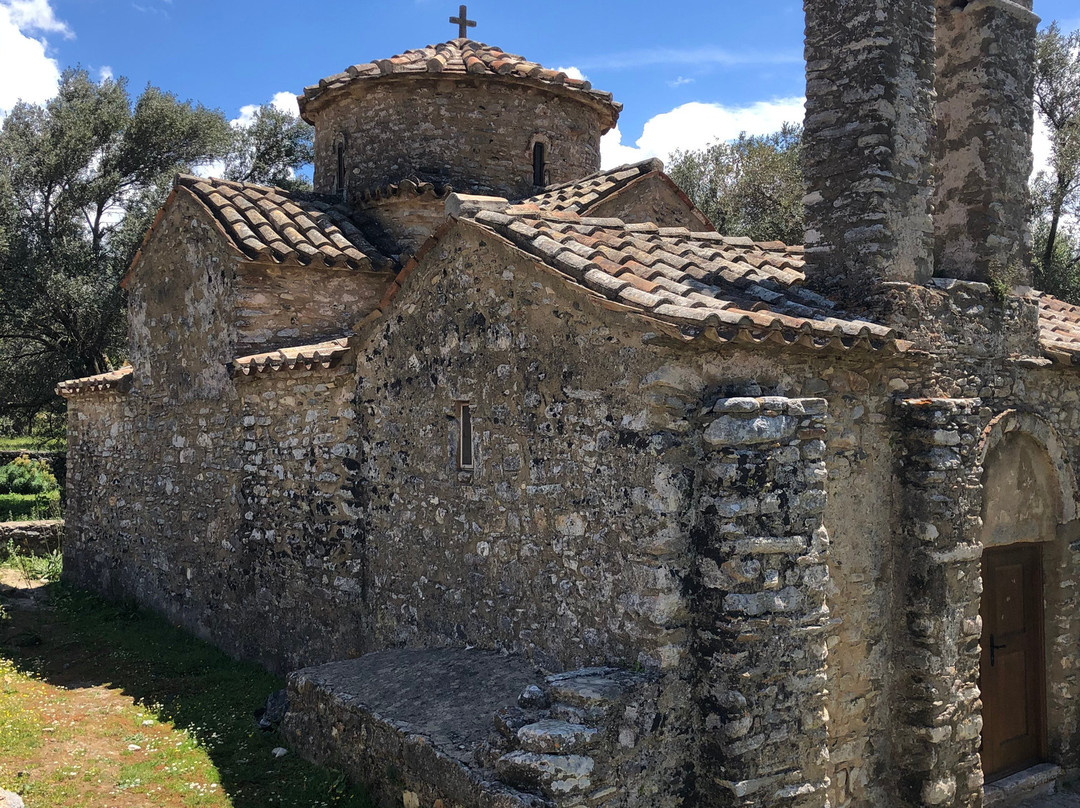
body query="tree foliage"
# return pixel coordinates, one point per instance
(269, 150)
(751, 187)
(80, 177)
(1056, 193)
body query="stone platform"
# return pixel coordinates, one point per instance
(451, 728)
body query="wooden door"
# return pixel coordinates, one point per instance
(1011, 669)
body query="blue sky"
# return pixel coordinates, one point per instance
(687, 71)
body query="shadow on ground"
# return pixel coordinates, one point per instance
(72, 639)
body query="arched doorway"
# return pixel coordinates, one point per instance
(1021, 512)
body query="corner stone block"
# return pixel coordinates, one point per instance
(760, 613)
(938, 722)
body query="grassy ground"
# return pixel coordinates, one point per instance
(32, 444)
(20, 507)
(104, 704)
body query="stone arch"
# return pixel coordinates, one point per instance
(1030, 496)
(1031, 440)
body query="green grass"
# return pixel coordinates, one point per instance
(30, 443)
(22, 507)
(129, 705)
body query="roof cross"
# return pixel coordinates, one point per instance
(462, 21)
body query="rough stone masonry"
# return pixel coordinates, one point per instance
(547, 493)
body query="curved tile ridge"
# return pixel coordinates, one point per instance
(118, 380)
(1059, 327)
(404, 189)
(461, 57)
(733, 288)
(581, 194)
(271, 224)
(302, 357)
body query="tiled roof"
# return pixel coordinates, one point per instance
(1059, 327)
(302, 357)
(405, 189)
(272, 224)
(119, 380)
(700, 283)
(580, 195)
(461, 56)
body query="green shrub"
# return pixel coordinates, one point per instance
(26, 476)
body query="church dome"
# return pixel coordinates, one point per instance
(461, 113)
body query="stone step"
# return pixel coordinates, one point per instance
(556, 737)
(557, 776)
(592, 688)
(1017, 789)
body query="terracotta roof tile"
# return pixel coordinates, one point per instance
(461, 57)
(581, 196)
(732, 286)
(302, 357)
(1059, 327)
(275, 225)
(119, 380)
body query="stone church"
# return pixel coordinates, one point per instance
(548, 494)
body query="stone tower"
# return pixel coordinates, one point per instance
(917, 144)
(869, 116)
(461, 113)
(985, 86)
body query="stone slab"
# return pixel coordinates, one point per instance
(423, 714)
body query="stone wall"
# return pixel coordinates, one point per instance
(409, 219)
(566, 540)
(476, 134)
(279, 306)
(653, 198)
(33, 538)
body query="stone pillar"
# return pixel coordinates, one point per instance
(760, 617)
(937, 706)
(985, 88)
(869, 115)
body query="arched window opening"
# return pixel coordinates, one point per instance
(539, 163)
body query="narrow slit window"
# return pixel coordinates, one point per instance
(465, 436)
(339, 178)
(539, 163)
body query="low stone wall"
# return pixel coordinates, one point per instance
(34, 538)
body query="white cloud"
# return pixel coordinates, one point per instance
(36, 15)
(572, 72)
(286, 102)
(105, 73)
(27, 72)
(283, 101)
(680, 81)
(696, 125)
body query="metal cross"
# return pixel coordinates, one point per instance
(462, 21)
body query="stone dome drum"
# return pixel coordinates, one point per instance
(460, 113)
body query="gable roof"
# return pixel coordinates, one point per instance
(733, 288)
(462, 57)
(582, 196)
(283, 227)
